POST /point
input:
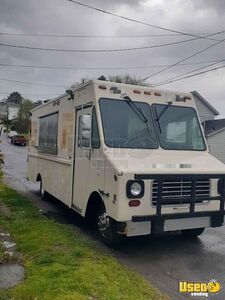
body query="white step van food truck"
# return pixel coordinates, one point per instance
(132, 158)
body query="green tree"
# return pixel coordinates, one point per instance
(15, 98)
(22, 123)
(6, 122)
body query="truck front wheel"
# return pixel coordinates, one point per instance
(192, 232)
(107, 228)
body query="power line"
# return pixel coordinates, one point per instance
(97, 50)
(95, 36)
(136, 21)
(184, 59)
(29, 94)
(186, 73)
(103, 68)
(154, 26)
(32, 83)
(190, 76)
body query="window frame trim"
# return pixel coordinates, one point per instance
(48, 150)
(99, 141)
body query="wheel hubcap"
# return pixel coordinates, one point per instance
(103, 223)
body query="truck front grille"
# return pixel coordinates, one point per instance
(180, 191)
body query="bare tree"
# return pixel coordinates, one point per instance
(83, 80)
(128, 79)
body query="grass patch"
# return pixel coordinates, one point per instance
(6, 258)
(61, 264)
(2, 255)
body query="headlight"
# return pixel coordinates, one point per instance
(135, 189)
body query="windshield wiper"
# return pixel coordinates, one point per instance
(138, 112)
(159, 116)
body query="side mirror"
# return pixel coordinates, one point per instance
(84, 139)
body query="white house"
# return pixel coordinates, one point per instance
(11, 109)
(214, 128)
(205, 109)
(215, 134)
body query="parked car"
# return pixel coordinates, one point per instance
(18, 140)
(12, 133)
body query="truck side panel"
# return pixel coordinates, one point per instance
(55, 175)
(55, 169)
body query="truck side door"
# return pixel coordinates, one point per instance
(88, 161)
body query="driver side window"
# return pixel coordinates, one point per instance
(84, 131)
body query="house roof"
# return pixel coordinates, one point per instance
(213, 126)
(204, 101)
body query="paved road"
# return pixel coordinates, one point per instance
(163, 261)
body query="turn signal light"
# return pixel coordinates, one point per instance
(137, 91)
(187, 98)
(133, 203)
(102, 87)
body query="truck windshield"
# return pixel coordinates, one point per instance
(124, 127)
(178, 128)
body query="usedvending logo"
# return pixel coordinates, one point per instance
(199, 289)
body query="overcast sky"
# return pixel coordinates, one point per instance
(62, 17)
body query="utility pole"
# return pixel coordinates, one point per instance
(7, 116)
(21, 114)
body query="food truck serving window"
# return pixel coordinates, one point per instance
(178, 128)
(48, 133)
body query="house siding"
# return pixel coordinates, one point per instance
(204, 112)
(216, 144)
(13, 110)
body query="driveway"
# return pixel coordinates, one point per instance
(162, 261)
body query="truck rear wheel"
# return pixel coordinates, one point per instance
(192, 232)
(107, 228)
(42, 191)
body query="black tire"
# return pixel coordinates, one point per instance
(42, 192)
(192, 233)
(107, 228)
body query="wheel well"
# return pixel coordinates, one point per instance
(38, 177)
(94, 202)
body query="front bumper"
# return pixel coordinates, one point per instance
(159, 224)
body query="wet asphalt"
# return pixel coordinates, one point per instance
(163, 261)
